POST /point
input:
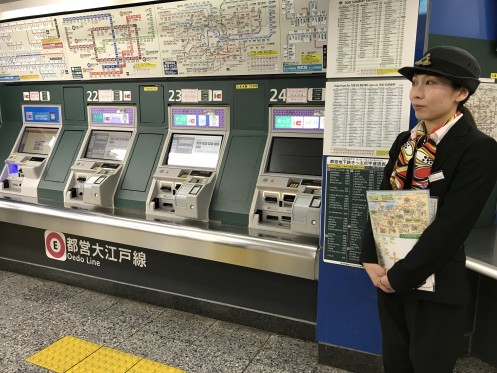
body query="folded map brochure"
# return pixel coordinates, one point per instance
(398, 219)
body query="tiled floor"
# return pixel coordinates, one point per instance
(34, 313)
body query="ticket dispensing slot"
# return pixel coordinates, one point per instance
(185, 179)
(26, 163)
(96, 172)
(287, 198)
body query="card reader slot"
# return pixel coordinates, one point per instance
(272, 217)
(286, 218)
(167, 207)
(271, 199)
(289, 197)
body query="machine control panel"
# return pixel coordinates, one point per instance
(184, 181)
(28, 159)
(287, 198)
(96, 172)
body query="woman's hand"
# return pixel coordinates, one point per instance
(378, 276)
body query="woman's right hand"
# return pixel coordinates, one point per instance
(376, 273)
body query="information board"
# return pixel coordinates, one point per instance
(32, 50)
(346, 211)
(371, 37)
(363, 118)
(483, 106)
(118, 43)
(178, 38)
(219, 37)
(304, 33)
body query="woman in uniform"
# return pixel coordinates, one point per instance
(423, 331)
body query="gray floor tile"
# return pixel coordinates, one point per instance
(472, 365)
(148, 345)
(208, 359)
(4, 275)
(15, 352)
(179, 326)
(89, 303)
(285, 361)
(327, 369)
(261, 368)
(112, 326)
(18, 284)
(108, 332)
(133, 310)
(233, 339)
(23, 367)
(157, 348)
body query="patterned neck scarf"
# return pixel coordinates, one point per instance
(423, 149)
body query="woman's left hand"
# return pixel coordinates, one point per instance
(386, 284)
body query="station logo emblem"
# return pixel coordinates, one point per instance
(55, 245)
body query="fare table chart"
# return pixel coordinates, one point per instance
(346, 211)
(371, 37)
(364, 117)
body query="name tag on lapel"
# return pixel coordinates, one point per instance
(436, 176)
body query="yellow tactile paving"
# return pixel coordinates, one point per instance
(63, 354)
(149, 366)
(74, 355)
(106, 360)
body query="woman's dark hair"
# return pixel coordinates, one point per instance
(463, 109)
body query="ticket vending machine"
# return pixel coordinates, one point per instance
(104, 151)
(28, 159)
(185, 178)
(287, 197)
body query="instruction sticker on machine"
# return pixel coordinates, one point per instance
(41, 114)
(122, 116)
(200, 117)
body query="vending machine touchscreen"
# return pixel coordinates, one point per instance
(184, 181)
(96, 172)
(287, 197)
(28, 159)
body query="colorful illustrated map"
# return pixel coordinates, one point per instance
(116, 43)
(398, 219)
(219, 37)
(483, 106)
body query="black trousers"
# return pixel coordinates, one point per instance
(420, 336)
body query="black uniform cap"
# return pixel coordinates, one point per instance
(452, 63)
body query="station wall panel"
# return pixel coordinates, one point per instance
(74, 108)
(152, 104)
(59, 165)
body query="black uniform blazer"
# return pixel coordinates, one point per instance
(468, 160)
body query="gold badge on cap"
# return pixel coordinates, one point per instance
(425, 61)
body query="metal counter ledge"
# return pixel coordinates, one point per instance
(294, 258)
(481, 250)
(297, 259)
